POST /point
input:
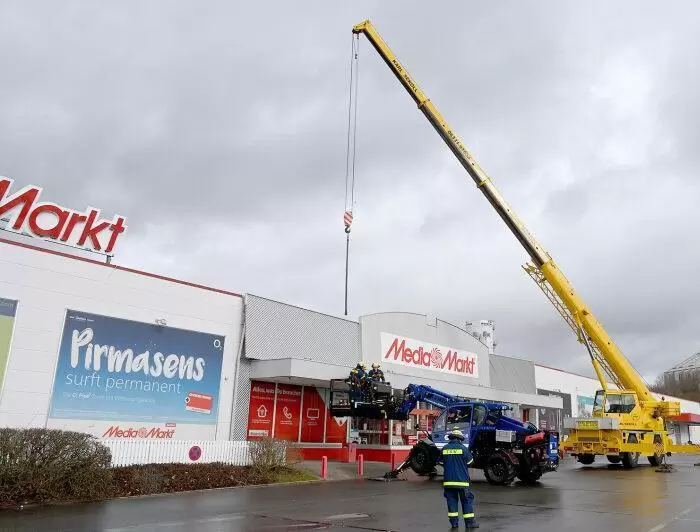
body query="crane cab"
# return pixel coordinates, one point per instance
(614, 402)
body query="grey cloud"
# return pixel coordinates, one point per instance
(219, 130)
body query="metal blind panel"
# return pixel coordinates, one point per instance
(239, 431)
(276, 330)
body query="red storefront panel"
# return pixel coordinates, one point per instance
(336, 429)
(313, 415)
(288, 412)
(262, 402)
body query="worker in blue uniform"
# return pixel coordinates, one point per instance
(455, 459)
(358, 376)
(376, 374)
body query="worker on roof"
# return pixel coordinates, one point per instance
(376, 374)
(455, 459)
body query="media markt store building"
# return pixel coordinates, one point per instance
(290, 354)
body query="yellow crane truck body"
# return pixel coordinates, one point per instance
(627, 421)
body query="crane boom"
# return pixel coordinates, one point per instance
(604, 352)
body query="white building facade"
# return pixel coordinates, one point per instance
(119, 353)
(111, 351)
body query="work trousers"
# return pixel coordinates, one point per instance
(454, 496)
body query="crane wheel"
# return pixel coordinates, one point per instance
(586, 459)
(614, 459)
(655, 460)
(629, 460)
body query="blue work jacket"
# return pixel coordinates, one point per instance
(455, 459)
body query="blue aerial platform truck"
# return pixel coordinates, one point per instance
(503, 447)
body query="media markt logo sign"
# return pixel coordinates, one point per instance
(25, 214)
(414, 353)
(115, 431)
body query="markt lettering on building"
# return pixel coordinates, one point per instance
(52, 222)
(414, 353)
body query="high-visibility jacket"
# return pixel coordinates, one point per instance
(358, 373)
(455, 459)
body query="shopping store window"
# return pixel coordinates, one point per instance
(371, 431)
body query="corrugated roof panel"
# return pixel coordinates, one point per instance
(692, 362)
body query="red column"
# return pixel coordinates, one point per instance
(324, 467)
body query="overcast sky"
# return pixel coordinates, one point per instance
(219, 130)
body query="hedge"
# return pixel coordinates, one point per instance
(43, 464)
(49, 465)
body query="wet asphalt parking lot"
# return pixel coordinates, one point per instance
(575, 498)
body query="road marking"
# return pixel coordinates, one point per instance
(677, 517)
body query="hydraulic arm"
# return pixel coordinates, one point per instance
(415, 393)
(606, 357)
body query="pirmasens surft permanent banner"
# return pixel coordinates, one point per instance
(117, 378)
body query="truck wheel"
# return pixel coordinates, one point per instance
(614, 459)
(586, 459)
(421, 461)
(499, 471)
(629, 460)
(655, 459)
(530, 477)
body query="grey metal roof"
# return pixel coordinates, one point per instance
(692, 362)
(275, 330)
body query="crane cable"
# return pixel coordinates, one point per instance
(350, 155)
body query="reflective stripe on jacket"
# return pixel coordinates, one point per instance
(455, 459)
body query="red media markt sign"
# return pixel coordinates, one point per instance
(52, 222)
(424, 355)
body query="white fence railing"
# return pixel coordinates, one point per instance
(136, 452)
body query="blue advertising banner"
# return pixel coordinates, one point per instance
(113, 369)
(585, 406)
(8, 309)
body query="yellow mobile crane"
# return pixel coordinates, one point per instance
(627, 420)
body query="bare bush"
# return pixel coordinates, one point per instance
(268, 456)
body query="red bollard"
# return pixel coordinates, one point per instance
(393, 461)
(361, 466)
(324, 467)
